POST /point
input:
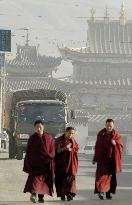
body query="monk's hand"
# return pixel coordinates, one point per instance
(70, 149)
(113, 142)
(68, 146)
(93, 162)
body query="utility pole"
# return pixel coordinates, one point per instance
(5, 46)
(0, 105)
(2, 90)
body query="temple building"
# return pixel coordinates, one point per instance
(29, 62)
(102, 72)
(108, 51)
(104, 67)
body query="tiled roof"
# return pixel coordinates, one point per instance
(22, 83)
(104, 38)
(28, 60)
(110, 37)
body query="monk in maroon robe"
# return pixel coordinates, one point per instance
(66, 165)
(108, 155)
(39, 163)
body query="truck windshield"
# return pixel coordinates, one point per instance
(46, 112)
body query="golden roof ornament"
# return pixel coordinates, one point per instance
(106, 15)
(92, 12)
(123, 14)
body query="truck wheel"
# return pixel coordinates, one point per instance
(11, 151)
(19, 154)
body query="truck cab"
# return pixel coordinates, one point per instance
(50, 108)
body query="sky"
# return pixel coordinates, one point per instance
(54, 22)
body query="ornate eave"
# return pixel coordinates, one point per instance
(82, 55)
(106, 37)
(28, 60)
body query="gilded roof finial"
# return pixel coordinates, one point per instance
(122, 14)
(106, 14)
(92, 17)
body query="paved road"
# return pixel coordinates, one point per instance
(12, 181)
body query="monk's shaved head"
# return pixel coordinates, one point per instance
(70, 131)
(109, 125)
(38, 122)
(109, 120)
(39, 127)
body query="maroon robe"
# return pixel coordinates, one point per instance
(39, 164)
(66, 166)
(109, 160)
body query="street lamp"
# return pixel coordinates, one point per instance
(2, 92)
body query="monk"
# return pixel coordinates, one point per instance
(66, 165)
(108, 155)
(39, 163)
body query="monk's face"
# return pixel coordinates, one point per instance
(39, 129)
(109, 126)
(69, 134)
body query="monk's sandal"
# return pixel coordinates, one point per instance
(40, 200)
(101, 196)
(108, 195)
(33, 198)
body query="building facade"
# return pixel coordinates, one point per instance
(102, 72)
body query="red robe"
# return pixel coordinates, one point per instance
(39, 164)
(109, 160)
(66, 166)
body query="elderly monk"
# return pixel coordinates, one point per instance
(39, 163)
(66, 165)
(108, 155)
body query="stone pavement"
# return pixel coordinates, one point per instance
(12, 181)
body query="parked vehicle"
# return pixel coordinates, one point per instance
(25, 107)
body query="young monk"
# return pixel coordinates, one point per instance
(66, 165)
(108, 155)
(39, 163)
